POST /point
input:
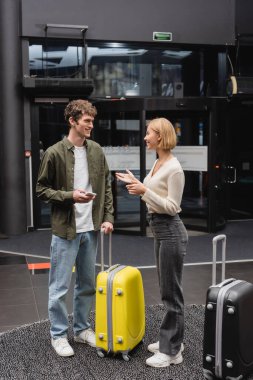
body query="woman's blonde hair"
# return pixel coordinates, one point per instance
(166, 131)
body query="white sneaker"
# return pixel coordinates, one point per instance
(154, 347)
(86, 336)
(62, 347)
(162, 360)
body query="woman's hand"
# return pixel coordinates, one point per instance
(134, 186)
(127, 177)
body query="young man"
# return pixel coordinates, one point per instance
(70, 171)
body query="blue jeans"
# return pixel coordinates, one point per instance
(81, 252)
(170, 241)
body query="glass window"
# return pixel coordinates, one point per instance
(139, 72)
(119, 70)
(56, 60)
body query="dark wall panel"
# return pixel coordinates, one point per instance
(243, 18)
(193, 22)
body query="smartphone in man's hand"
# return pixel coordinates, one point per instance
(90, 194)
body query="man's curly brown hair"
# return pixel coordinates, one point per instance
(77, 108)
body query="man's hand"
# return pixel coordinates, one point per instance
(107, 227)
(80, 196)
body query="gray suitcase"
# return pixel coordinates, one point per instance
(228, 326)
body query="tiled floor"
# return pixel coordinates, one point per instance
(24, 293)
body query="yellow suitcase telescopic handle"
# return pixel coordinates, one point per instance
(102, 234)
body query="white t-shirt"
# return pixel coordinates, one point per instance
(83, 211)
(165, 188)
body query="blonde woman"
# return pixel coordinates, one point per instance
(162, 191)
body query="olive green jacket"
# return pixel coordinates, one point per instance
(56, 180)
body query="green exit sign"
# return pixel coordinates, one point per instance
(162, 36)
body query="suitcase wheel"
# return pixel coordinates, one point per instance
(101, 353)
(126, 357)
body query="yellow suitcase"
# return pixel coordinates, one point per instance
(120, 308)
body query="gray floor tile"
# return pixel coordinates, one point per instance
(18, 314)
(14, 276)
(34, 259)
(41, 294)
(39, 279)
(16, 296)
(42, 310)
(151, 300)
(6, 259)
(3, 329)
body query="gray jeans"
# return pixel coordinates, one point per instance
(170, 241)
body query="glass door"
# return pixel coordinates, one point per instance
(239, 159)
(192, 128)
(48, 127)
(121, 128)
(198, 122)
(119, 133)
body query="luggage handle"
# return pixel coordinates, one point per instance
(102, 234)
(223, 238)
